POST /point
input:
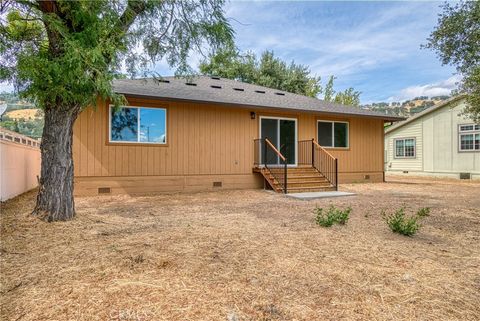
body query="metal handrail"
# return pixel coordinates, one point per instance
(267, 145)
(325, 163)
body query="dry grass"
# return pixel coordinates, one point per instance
(245, 255)
(25, 114)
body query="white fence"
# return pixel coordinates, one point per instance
(19, 164)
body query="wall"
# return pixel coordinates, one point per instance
(438, 132)
(412, 130)
(19, 164)
(206, 143)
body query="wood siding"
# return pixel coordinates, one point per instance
(207, 140)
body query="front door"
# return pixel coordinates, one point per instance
(282, 133)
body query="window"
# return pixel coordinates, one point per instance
(469, 137)
(138, 125)
(332, 134)
(405, 147)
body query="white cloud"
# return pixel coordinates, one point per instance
(444, 87)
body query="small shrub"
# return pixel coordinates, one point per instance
(327, 218)
(423, 212)
(400, 223)
(324, 218)
(343, 216)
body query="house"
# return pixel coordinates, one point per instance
(212, 133)
(438, 141)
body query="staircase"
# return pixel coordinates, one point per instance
(317, 169)
(299, 179)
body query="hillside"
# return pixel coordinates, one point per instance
(406, 108)
(24, 114)
(21, 116)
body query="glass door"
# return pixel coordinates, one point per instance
(282, 133)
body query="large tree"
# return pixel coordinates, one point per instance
(65, 54)
(272, 72)
(456, 40)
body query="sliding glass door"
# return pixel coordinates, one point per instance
(282, 133)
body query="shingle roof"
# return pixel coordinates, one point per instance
(425, 112)
(230, 92)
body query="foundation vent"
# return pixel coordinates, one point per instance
(465, 175)
(405, 172)
(217, 184)
(104, 190)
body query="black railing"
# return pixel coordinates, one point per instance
(305, 152)
(325, 163)
(268, 156)
(310, 153)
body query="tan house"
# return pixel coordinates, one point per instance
(440, 141)
(214, 133)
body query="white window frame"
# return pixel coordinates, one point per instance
(138, 126)
(404, 139)
(474, 131)
(333, 133)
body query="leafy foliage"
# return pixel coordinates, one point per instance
(272, 72)
(400, 223)
(423, 212)
(267, 71)
(456, 40)
(32, 127)
(70, 51)
(332, 215)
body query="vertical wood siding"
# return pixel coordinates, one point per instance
(207, 140)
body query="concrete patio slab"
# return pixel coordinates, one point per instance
(315, 195)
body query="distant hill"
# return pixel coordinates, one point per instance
(21, 116)
(406, 108)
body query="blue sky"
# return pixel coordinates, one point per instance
(371, 46)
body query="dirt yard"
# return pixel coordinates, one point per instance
(245, 255)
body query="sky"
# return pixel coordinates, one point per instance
(373, 47)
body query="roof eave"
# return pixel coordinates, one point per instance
(383, 117)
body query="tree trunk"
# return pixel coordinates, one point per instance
(55, 196)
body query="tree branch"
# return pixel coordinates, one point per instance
(133, 9)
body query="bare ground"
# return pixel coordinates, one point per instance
(245, 255)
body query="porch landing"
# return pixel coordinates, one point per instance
(316, 195)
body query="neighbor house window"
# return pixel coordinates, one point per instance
(405, 147)
(138, 125)
(332, 133)
(469, 137)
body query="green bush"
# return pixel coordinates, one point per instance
(425, 211)
(400, 223)
(332, 215)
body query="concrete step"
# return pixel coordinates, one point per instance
(309, 189)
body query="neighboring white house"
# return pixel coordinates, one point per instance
(438, 141)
